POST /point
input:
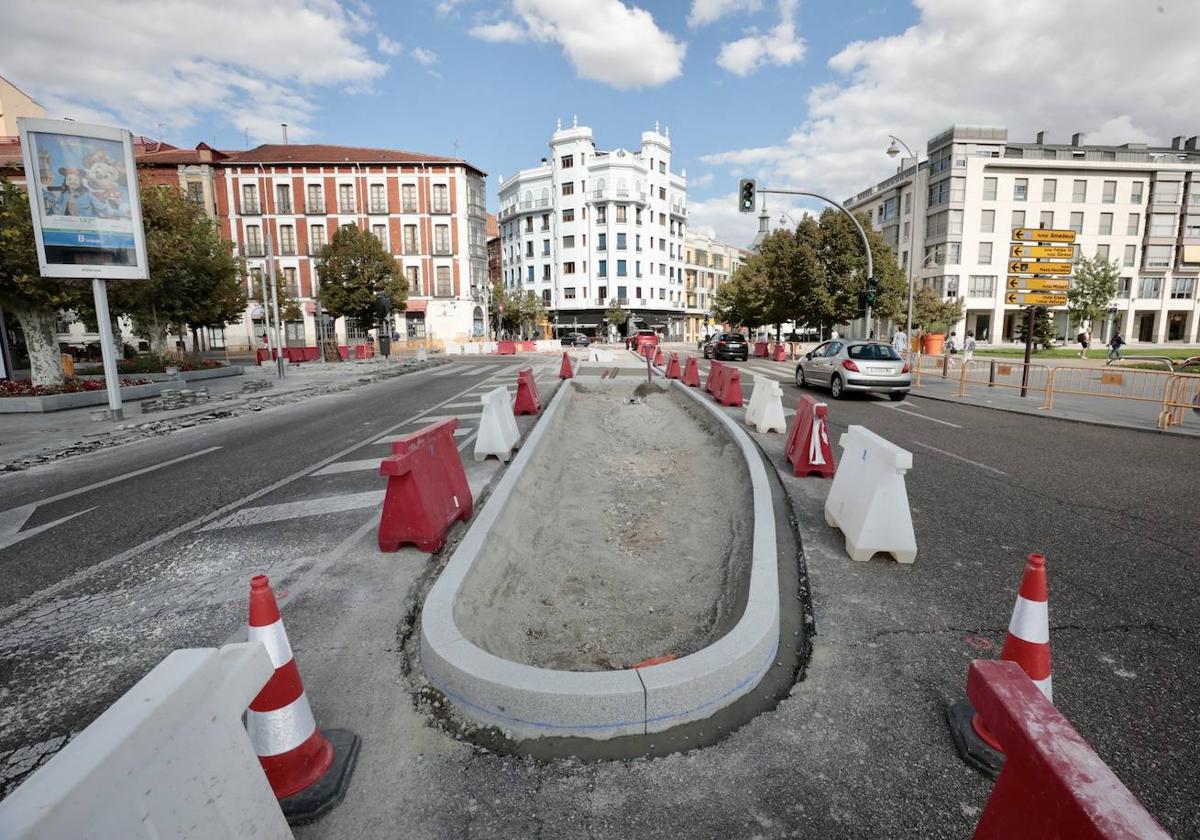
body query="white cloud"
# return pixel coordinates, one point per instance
(425, 57)
(779, 46)
(445, 8)
(389, 47)
(698, 181)
(605, 40)
(720, 218)
(708, 11)
(956, 66)
(182, 64)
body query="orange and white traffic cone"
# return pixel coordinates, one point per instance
(309, 771)
(1027, 643)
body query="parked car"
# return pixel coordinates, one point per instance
(728, 346)
(641, 339)
(842, 366)
(574, 339)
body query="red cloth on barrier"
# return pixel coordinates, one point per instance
(731, 387)
(261, 355)
(1052, 784)
(528, 401)
(691, 373)
(427, 489)
(673, 367)
(806, 455)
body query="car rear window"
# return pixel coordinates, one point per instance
(734, 337)
(873, 352)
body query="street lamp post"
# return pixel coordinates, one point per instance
(892, 151)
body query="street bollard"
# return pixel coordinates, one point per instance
(945, 365)
(992, 374)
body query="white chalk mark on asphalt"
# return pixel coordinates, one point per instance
(894, 407)
(339, 467)
(298, 510)
(960, 458)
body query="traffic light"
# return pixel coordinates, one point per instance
(862, 304)
(746, 198)
(872, 291)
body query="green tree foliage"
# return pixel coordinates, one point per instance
(516, 311)
(354, 268)
(933, 314)
(1043, 328)
(24, 294)
(1092, 291)
(616, 314)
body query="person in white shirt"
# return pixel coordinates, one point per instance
(833, 335)
(900, 341)
(969, 346)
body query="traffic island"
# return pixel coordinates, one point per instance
(641, 618)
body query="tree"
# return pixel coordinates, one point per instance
(354, 269)
(616, 315)
(742, 300)
(531, 311)
(1043, 328)
(932, 313)
(1092, 292)
(34, 300)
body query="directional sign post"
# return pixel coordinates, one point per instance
(1040, 267)
(1034, 299)
(1030, 260)
(1039, 284)
(1054, 252)
(1042, 235)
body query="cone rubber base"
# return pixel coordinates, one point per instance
(973, 749)
(323, 796)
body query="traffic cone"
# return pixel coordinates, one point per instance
(564, 370)
(309, 771)
(1026, 643)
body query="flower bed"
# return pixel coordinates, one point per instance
(156, 364)
(26, 388)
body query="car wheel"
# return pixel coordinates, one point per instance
(801, 382)
(897, 396)
(835, 387)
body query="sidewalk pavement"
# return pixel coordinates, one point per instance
(29, 439)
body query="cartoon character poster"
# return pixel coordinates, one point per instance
(83, 195)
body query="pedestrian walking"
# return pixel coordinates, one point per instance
(1082, 338)
(968, 346)
(951, 345)
(1114, 348)
(900, 341)
(833, 335)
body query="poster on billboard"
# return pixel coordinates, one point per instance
(83, 193)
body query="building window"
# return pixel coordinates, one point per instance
(283, 199)
(1109, 196)
(620, 241)
(414, 279)
(545, 221)
(989, 189)
(287, 240)
(1077, 222)
(662, 167)
(441, 239)
(1162, 224)
(1183, 288)
(1018, 218)
(1135, 192)
(602, 242)
(568, 293)
(1079, 192)
(250, 199)
(378, 198)
(939, 193)
(195, 193)
(568, 188)
(620, 212)
(1135, 220)
(443, 286)
(346, 198)
(985, 253)
(314, 201)
(953, 253)
(530, 274)
(546, 272)
(1050, 189)
(545, 247)
(602, 271)
(568, 268)
(1020, 189)
(1102, 252)
(1106, 222)
(1046, 219)
(1166, 192)
(1130, 255)
(1191, 227)
(254, 243)
(568, 241)
(567, 161)
(411, 246)
(1124, 284)
(987, 221)
(568, 215)
(545, 297)
(906, 230)
(317, 237)
(907, 203)
(662, 219)
(981, 285)
(529, 248)
(1158, 256)
(380, 232)
(408, 198)
(622, 271)
(290, 282)
(1149, 287)
(441, 198)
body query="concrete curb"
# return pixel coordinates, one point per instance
(529, 702)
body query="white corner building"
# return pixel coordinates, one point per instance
(588, 226)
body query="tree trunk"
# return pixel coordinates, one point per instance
(45, 360)
(158, 340)
(118, 338)
(195, 339)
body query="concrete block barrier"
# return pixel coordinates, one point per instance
(498, 434)
(422, 356)
(868, 500)
(170, 758)
(765, 411)
(1053, 784)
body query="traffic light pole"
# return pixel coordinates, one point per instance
(861, 233)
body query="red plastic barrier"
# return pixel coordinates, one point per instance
(528, 347)
(806, 455)
(731, 387)
(714, 374)
(312, 354)
(528, 401)
(780, 352)
(344, 352)
(658, 356)
(506, 348)
(673, 367)
(760, 348)
(564, 370)
(691, 373)
(427, 489)
(261, 355)
(1052, 784)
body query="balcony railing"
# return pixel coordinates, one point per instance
(378, 209)
(347, 208)
(251, 208)
(254, 249)
(314, 208)
(411, 249)
(441, 208)
(284, 208)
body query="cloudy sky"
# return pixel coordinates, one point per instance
(797, 94)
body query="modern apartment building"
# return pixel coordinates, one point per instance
(1133, 203)
(707, 265)
(587, 226)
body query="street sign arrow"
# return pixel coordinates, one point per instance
(1043, 234)
(1061, 252)
(1046, 284)
(1040, 268)
(1034, 300)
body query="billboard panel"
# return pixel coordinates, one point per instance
(83, 194)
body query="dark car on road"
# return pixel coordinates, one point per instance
(728, 346)
(575, 339)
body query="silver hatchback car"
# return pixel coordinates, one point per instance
(842, 366)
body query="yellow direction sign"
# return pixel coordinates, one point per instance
(1043, 284)
(1057, 252)
(1042, 235)
(1040, 268)
(1035, 300)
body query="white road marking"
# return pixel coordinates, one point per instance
(12, 520)
(339, 467)
(961, 458)
(389, 439)
(466, 415)
(463, 446)
(296, 510)
(445, 369)
(471, 370)
(474, 404)
(895, 407)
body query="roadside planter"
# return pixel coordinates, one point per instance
(80, 399)
(548, 617)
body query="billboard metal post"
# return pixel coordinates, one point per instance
(279, 362)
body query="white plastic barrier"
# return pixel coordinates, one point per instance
(452, 348)
(868, 500)
(547, 345)
(170, 758)
(422, 356)
(498, 433)
(472, 349)
(765, 411)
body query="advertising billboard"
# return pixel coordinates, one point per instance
(83, 193)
